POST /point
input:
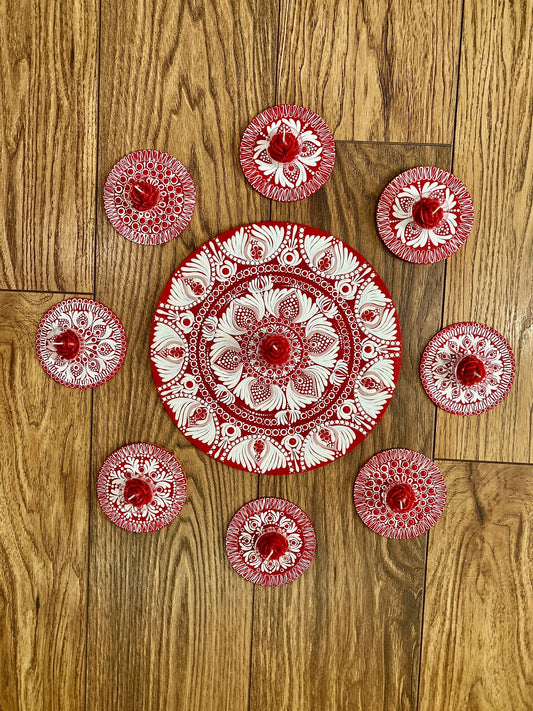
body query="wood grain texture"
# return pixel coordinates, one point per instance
(490, 280)
(346, 635)
(478, 638)
(375, 71)
(43, 521)
(169, 620)
(48, 110)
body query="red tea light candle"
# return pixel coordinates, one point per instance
(67, 344)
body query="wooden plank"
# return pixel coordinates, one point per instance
(48, 66)
(490, 279)
(347, 634)
(375, 71)
(477, 640)
(45, 443)
(169, 621)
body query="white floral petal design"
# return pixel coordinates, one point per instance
(293, 327)
(257, 455)
(192, 284)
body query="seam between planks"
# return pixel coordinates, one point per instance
(45, 291)
(395, 143)
(452, 145)
(95, 247)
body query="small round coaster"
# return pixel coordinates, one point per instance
(425, 215)
(399, 493)
(270, 542)
(81, 343)
(467, 368)
(149, 197)
(141, 487)
(287, 153)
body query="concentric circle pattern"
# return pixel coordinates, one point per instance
(399, 493)
(149, 197)
(141, 487)
(275, 348)
(287, 153)
(81, 343)
(270, 542)
(461, 346)
(424, 215)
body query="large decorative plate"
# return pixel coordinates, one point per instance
(425, 215)
(81, 343)
(141, 487)
(287, 153)
(275, 348)
(467, 368)
(399, 493)
(149, 197)
(270, 542)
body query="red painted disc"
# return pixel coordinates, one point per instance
(467, 368)
(287, 153)
(275, 348)
(399, 493)
(141, 487)
(270, 542)
(81, 343)
(149, 197)
(424, 215)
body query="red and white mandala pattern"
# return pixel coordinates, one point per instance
(275, 348)
(141, 487)
(270, 542)
(287, 153)
(149, 197)
(399, 493)
(467, 368)
(424, 215)
(80, 343)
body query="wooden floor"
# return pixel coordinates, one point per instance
(95, 618)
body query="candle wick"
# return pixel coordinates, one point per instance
(435, 210)
(269, 556)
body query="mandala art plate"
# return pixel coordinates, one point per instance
(467, 368)
(81, 343)
(270, 542)
(287, 153)
(399, 493)
(425, 215)
(275, 348)
(141, 487)
(149, 197)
